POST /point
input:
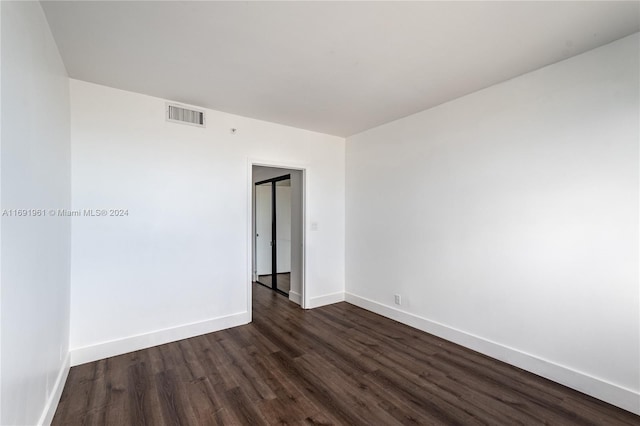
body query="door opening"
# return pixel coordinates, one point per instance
(273, 233)
(277, 230)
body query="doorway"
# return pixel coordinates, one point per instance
(273, 204)
(267, 180)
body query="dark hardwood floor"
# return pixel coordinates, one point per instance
(284, 281)
(332, 365)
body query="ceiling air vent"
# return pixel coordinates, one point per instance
(179, 114)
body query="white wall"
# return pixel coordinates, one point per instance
(261, 173)
(283, 228)
(35, 174)
(508, 221)
(180, 263)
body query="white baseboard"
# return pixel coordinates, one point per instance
(54, 398)
(142, 341)
(616, 395)
(295, 297)
(327, 299)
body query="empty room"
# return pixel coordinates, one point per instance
(319, 212)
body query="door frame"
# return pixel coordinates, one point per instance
(303, 168)
(274, 232)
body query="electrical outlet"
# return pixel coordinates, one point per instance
(398, 299)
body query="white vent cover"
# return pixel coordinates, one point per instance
(180, 114)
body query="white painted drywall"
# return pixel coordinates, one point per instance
(183, 254)
(283, 228)
(35, 169)
(511, 214)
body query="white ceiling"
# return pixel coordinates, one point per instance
(332, 67)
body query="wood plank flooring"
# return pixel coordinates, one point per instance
(284, 281)
(337, 364)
